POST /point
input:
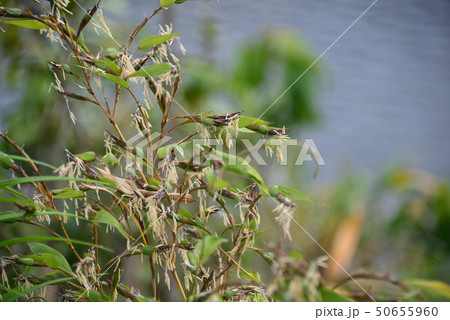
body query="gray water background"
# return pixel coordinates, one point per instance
(387, 97)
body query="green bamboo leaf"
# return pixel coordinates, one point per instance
(105, 217)
(329, 295)
(207, 246)
(241, 167)
(252, 276)
(112, 52)
(52, 258)
(5, 162)
(433, 290)
(103, 64)
(16, 193)
(17, 181)
(96, 296)
(186, 213)
(214, 181)
(151, 41)
(87, 156)
(15, 200)
(246, 121)
(167, 3)
(41, 239)
(292, 194)
(25, 23)
(4, 156)
(245, 130)
(152, 71)
(69, 193)
(7, 216)
(113, 78)
(165, 150)
(10, 216)
(36, 287)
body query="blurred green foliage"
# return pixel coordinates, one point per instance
(397, 224)
(258, 76)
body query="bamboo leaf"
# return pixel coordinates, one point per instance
(41, 239)
(52, 258)
(16, 193)
(103, 64)
(25, 23)
(113, 78)
(166, 150)
(105, 217)
(151, 41)
(246, 121)
(186, 213)
(36, 287)
(7, 216)
(329, 295)
(88, 156)
(15, 200)
(293, 194)
(241, 167)
(10, 216)
(69, 193)
(433, 290)
(206, 246)
(17, 181)
(167, 3)
(152, 71)
(14, 157)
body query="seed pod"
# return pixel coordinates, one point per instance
(269, 256)
(66, 67)
(16, 12)
(198, 222)
(57, 191)
(139, 153)
(147, 250)
(263, 129)
(81, 39)
(178, 217)
(168, 187)
(109, 158)
(208, 122)
(131, 171)
(5, 162)
(26, 261)
(273, 191)
(88, 156)
(112, 52)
